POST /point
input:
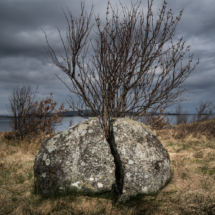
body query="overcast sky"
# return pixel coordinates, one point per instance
(23, 59)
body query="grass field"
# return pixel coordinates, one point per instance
(191, 191)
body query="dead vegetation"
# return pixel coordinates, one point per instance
(191, 191)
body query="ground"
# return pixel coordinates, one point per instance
(191, 190)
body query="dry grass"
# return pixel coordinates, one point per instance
(191, 191)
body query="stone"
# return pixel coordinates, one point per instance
(79, 157)
(142, 162)
(132, 160)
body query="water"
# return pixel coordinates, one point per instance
(5, 123)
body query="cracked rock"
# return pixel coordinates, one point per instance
(132, 159)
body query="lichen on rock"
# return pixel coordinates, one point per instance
(77, 157)
(144, 163)
(132, 159)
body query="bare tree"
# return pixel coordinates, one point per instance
(27, 118)
(126, 56)
(181, 118)
(203, 113)
(184, 117)
(19, 98)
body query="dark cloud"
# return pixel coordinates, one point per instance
(23, 59)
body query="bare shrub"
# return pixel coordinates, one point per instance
(181, 118)
(10, 135)
(30, 116)
(156, 122)
(206, 128)
(204, 112)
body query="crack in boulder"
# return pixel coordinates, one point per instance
(119, 172)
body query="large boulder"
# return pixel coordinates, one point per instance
(132, 159)
(142, 162)
(79, 157)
